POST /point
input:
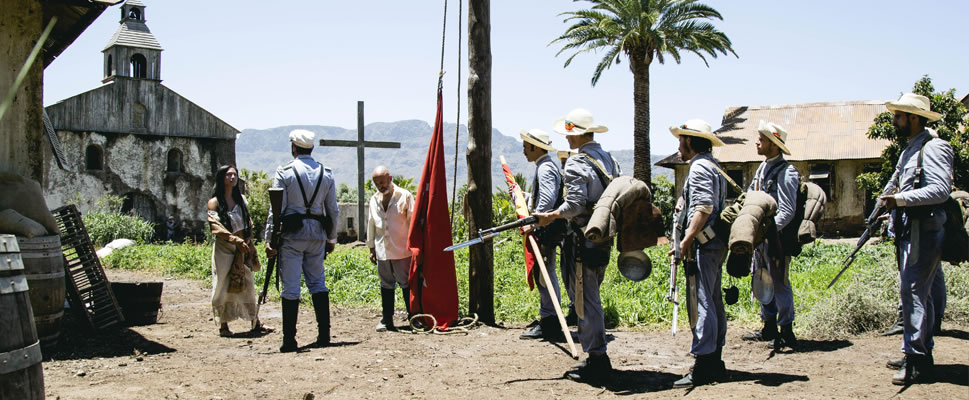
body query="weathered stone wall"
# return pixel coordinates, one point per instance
(135, 166)
(22, 140)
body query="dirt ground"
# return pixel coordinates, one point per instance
(182, 357)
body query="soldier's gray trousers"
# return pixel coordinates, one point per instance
(567, 267)
(711, 325)
(920, 260)
(781, 307)
(592, 323)
(301, 257)
(939, 297)
(547, 307)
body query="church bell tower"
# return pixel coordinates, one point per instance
(133, 52)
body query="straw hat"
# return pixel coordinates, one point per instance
(565, 154)
(538, 138)
(775, 133)
(578, 122)
(698, 128)
(914, 104)
(302, 138)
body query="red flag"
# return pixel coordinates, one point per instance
(521, 208)
(434, 286)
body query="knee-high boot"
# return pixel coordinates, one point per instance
(387, 309)
(290, 313)
(321, 306)
(406, 293)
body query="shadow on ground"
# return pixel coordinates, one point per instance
(809, 346)
(78, 342)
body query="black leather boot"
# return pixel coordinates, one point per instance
(406, 293)
(915, 369)
(321, 305)
(552, 329)
(594, 370)
(290, 313)
(785, 338)
(765, 334)
(387, 310)
(896, 329)
(704, 371)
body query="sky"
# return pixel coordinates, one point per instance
(259, 65)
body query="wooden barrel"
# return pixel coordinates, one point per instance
(139, 301)
(44, 269)
(21, 371)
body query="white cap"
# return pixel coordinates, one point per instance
(302, 138)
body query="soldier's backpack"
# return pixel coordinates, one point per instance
(808, 209)
(955, 242)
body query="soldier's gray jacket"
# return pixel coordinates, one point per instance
(582, 186)
(705, 190)
(307, 170)
(547, 187)
(784, 190)
(936, 180)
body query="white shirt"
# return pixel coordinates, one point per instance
(387, 229)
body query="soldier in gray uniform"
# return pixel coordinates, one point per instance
(308, 212)
(923, 182)
(546, 196)
(781, 180)
(701, 202)
(586, 176)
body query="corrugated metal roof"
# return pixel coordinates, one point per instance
(134, 34)
(816, 131)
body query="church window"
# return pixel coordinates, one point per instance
(108, 66)
(135, 14)
(174, 160)
(94, 158)
(139, 66)
(139, 116)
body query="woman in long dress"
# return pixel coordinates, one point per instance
(233, 285)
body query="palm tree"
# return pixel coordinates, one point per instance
(643, 30)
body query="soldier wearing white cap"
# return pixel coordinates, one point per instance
(309, 210)
(586, 175)
(781, 180)
(700, 204)
(546, 196)
(923, 182)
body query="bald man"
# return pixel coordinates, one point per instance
(390, 212)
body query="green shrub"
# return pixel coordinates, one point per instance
(105, 227)
(257, 193)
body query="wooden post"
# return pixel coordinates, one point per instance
(362, 223)
(481, 258)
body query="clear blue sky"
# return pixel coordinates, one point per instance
(268, 64)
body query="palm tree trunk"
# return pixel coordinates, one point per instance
(481, 291)
(642, 164)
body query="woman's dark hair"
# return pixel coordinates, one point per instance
(699, 144)
(236, 196)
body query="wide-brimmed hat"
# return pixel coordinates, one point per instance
(698, 128)
(775, 133)
(302, 138)
(538, 138)
(578, 122)
(914, 104)
(565, 154)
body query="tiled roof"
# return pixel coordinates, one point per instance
(134, 3)
(134, 34)
(816, 131)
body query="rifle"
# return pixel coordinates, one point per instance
(673, 294)
(485, 234)
(873, 222)
(276, 205)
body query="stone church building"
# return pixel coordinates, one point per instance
(135, 138)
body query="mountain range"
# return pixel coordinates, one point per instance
(266, 149)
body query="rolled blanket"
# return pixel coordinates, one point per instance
(749, 229)
(813, 210)
(606, 216)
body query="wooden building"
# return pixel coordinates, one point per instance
(134, 137)
(829, 146)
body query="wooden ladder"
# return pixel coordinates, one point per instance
(88, 289)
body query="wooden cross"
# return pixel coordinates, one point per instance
(360, 144)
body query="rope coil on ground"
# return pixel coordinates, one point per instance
(463, 326)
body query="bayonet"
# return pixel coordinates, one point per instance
(485, 234)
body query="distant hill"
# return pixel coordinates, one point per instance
(266, 149)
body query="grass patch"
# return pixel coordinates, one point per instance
(864, 300)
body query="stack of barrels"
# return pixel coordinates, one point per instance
(21, 372)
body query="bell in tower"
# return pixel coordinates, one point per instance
(133, 52)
